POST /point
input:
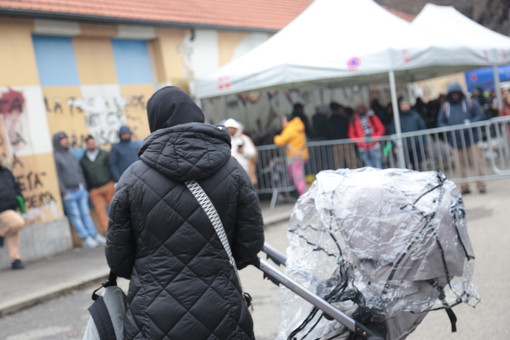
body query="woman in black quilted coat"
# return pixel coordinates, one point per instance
(182, 286)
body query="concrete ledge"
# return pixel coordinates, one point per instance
(40, 240)
(15, 304)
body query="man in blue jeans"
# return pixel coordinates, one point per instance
(74, 195)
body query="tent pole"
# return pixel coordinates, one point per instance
(396, 120)
(495, 71)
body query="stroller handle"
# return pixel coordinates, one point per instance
(274, 255)
(278, 278)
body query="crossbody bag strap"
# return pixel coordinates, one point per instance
(212, 214)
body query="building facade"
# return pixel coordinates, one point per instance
(87, 78)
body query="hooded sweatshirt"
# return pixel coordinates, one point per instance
(242, 142)
(122, 154)
(70, 175)
(181, 285)
(464, 111)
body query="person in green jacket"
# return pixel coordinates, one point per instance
(99, 179)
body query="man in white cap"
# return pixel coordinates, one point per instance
(243, 149)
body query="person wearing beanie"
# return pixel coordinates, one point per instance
(242, 147)
(74, 196)
(159, 237)
(123, 154)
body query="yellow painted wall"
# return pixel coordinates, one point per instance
(37, 177)
(63, 115)
(135, 110)
(94, 58)
(17, 57)
(227, 43)
(167, 59)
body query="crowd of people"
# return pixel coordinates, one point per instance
(92, 178)
(150, 215)
(84, 181)
(158, 232)
(358, 130)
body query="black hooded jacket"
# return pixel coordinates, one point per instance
(182, 286)
(9, 189)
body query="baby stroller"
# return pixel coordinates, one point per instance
(373, 251)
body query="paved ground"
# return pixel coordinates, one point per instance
(488, 221)
(488, 224)
(51, 276)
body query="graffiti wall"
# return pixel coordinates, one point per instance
(26, 149)
(98, 110)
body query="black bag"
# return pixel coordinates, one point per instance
(107, 312)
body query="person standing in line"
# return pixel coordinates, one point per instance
(11, 222)
(298, 110)
(367, 125)
(243, 149)
(99, 179)
(123, 154)
(505, 109)
(459, 110)
(320, 123)
(74, 196)
(181, 283)
(293, 137)
(414, 147)
(344, 155)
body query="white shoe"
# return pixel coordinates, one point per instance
(101, 239)
(89, 242)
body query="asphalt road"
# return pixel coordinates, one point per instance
(489, 229)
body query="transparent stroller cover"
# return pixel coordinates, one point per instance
(384, 246)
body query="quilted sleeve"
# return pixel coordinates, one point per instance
(120, 241)
(249, 233)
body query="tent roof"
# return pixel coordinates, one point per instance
(339, 42)
(446, 21)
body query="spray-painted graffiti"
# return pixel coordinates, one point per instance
(12, 105)
(39, 199)
(33, 183)
(102, 115)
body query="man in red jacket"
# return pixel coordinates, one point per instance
(367, 125)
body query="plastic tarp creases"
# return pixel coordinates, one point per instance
(384, 246)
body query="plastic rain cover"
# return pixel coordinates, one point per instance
(383, 246)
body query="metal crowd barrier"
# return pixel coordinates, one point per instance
(451, 150)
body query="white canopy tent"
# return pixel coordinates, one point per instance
(447, 22)
(341, 42)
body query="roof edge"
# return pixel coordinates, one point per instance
(116, 20)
